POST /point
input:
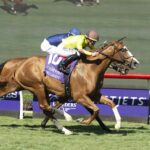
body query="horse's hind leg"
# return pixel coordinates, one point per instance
(66, 115)
(48, 110)
(106, 101)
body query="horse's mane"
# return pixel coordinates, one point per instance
(106, 45)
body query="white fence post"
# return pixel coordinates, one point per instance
(21, 105)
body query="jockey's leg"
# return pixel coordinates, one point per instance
(64, 63)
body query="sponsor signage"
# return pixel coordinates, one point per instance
(10, 102)
(130, 103)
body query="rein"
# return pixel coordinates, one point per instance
(110, 57)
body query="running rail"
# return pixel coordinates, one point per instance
(141, 76)
(128, 76)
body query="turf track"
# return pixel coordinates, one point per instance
(26, 134)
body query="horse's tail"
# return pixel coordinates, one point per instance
(2, 66)
(2, 81)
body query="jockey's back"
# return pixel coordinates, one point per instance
(56, 39)
(75, 42)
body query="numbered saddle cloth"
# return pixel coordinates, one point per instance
(51, 67)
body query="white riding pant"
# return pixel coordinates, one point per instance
(47, 47)
(60, 49)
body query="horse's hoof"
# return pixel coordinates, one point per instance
(79, 120)
(117, 126)
(66, 131)
(43, 126)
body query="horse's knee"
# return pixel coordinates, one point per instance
(110, 103)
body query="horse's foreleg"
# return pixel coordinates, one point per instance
(106, 101)
(98, 119)
(86, 102)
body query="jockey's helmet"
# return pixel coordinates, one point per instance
(74, 31)
(92, 35)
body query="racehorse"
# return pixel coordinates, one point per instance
(22, 8)
(7, 85)
(121, 68)
(14, 6)
(84, 80)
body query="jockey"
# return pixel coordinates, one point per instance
(49, 44)
(72, 46)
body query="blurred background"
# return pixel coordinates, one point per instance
(22, 33)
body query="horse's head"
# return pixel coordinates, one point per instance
(121, 58)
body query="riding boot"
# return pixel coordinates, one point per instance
(63, 64)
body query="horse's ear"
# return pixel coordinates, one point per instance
(121, 38)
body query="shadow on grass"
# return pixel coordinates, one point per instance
(85, 130)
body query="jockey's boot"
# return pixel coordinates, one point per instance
(63, 64)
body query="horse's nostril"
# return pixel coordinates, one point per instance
(135, 63)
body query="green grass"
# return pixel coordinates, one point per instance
(21, 35)
(27, 134)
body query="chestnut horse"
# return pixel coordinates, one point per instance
(7, 85)
(84, 80)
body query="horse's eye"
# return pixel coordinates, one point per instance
(123, 49)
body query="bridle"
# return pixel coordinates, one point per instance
(122, 59)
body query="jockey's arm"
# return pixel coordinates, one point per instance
(88, 53)
(80, 48)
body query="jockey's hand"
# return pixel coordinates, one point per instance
(95, 54)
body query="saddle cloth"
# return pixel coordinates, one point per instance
(51, 67)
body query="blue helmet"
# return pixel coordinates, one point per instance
(74, 31)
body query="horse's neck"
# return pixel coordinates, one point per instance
(94, 67)
(100, 62)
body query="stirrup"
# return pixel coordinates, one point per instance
(61, 68)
